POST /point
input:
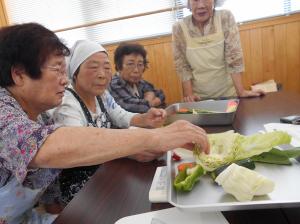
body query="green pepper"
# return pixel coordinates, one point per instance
(184, 181)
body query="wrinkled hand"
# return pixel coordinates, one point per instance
(152, 99)
(191, 98)
(182, 134)
(155, 117)
(146, 156)
(251, 93)
(149, 96)
(155, 102)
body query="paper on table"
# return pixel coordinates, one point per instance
(291, 129)
(175, 216)
(268, 86)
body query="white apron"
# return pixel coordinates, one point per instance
(206, 58)
(17, 202)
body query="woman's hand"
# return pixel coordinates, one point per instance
(149, 96)
(191, 98)
(241, 92)
(181, 134)
(251, 93)
(152, 99)
(154, 118)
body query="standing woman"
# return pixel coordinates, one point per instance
(208, 54)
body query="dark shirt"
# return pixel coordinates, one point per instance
(123, 95)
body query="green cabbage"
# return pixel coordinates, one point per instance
(243, 183)
(229, 146)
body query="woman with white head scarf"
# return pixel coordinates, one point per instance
(88, 103)
(208, 54)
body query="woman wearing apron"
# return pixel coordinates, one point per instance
(88, 103)
(208, 54)
(33, 149)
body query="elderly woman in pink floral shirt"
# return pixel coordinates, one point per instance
(208, 54)
(33, 150)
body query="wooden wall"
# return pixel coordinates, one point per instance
(3, 16)
(271, 51)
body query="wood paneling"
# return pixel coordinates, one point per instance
(3, 16)
(271, 51)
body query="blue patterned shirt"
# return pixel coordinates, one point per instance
(123, 95)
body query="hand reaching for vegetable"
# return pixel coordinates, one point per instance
(182, 134)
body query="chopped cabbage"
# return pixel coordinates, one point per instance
(228, 147)
(243, 183)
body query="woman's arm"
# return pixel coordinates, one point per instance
(183, 68)
(241, 92)
(187, 89)
(78, 146)
(154, 118)
(234, 55)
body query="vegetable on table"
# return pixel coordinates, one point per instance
(277, 156)
(185, 179)
(228, 147)
(243, 183)
(175, 156)
(248, 163)
(183, 166)
(184, 111)
(231, 106)
(195, 111)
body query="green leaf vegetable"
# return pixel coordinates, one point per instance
(276, 156)
(228, 147)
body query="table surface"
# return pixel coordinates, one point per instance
(120, 188)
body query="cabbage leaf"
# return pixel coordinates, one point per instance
(228, 147)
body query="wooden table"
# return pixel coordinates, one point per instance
(120, 188)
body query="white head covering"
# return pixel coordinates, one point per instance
(218, 3)
(80, 51)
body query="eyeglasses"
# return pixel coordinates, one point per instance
(132, 66)
(59, 70)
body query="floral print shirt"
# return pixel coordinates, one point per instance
(21, 138)
(233, 50)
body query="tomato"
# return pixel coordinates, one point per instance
(176, 157)
(183, 166)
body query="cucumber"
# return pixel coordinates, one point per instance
(248, 163)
